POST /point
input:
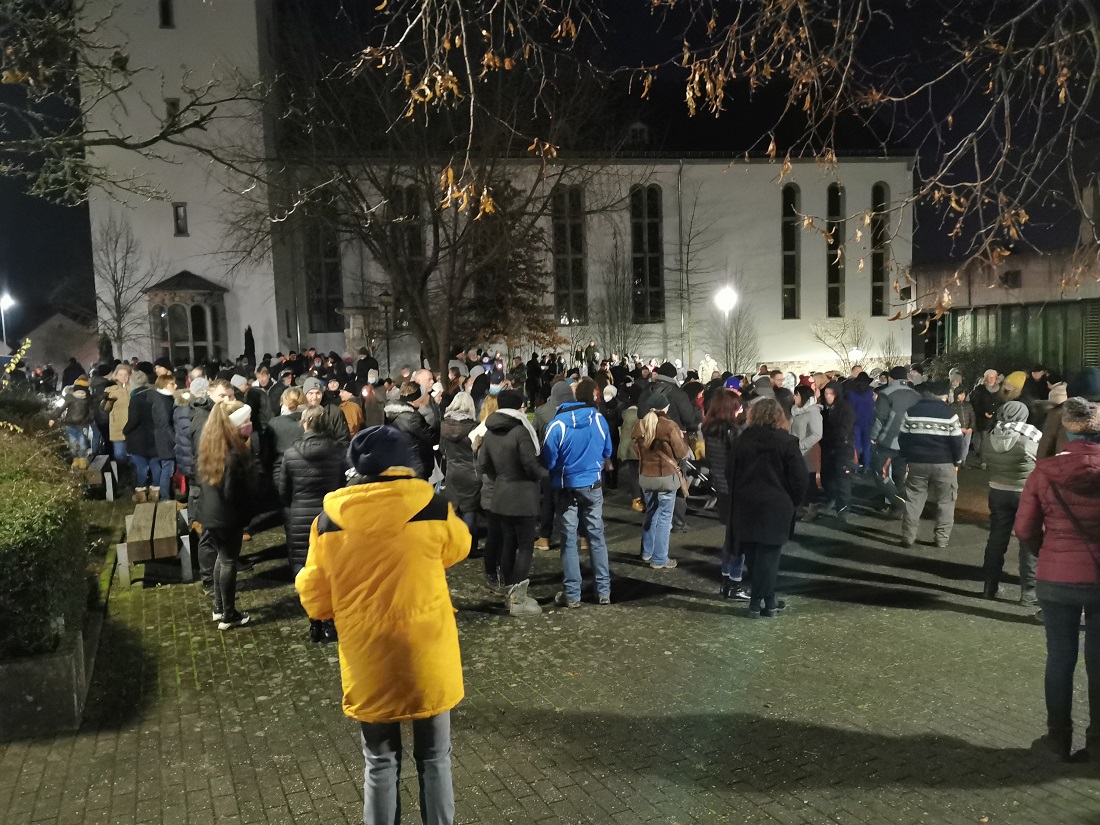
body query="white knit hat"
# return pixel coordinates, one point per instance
(238, 417)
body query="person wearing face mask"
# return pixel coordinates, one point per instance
(230, 482)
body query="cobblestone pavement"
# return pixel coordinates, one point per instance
(887, 693)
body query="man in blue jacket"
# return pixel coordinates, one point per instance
(577, 443)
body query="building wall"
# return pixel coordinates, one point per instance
(211, 41)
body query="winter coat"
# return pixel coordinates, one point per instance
(893, 400)
(626, 445)
(862, 399)
(463, 482)
(838, 424)
(412, 423)
(786, 400)
(164, 435)
(930, 434)
(259, 400)
(336, 423)
(119, 395)
(1009, 453)
(661, 459)
(97, 390)
(767, 479)
(310, 470)
(718, 447)
(509, 459)
(965, 411)
(686, 415)
(185, 450)
(577, 444)
(231, 504)
(353, 413)
(377, 556)
(560, 393)
(373, 412)
(808, 427)
(199, 413)
(76, 411)
(1064, 556)
(140, 430)
(986, 402)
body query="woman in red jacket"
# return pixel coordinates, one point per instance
(1060, 514)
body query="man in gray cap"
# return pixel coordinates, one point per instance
(893, 401)
(333, 416)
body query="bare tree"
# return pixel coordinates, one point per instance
(611, 315)
(846, 337)
(122, 273)
(698, 272)
(892, 353)
(736, 331)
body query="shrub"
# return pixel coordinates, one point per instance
(26, 410)
(43, 552)
(971, 362)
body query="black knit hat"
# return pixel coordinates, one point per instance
(509, 400)
(667, 369)
(377, 449)
(164, 361)
(899, 373)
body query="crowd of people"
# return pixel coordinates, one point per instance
(488, 458)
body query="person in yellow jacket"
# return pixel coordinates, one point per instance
(377, 556)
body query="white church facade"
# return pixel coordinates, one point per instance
(819, 244)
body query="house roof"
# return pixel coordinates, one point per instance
(185, 281)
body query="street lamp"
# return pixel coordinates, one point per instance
(855, 355)
(6, 303)
(726, 299)
(386, 300)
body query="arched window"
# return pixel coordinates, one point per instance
(187, 319)
(834, 265)
(647, 254)
(567, 224)
(880, 246)
(792, 252)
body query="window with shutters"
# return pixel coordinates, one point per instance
(834, 265)
(567, 223)
(647, 254)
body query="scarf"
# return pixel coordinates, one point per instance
(522, 418)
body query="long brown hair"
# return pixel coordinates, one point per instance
(220, 438)
(725, 406)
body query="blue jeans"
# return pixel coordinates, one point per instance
(582, 507)
(657, 525)
(118, 451)
(80, 441)
(167, 470)
(159, 472)
(1062, 607)
(733, 563)
(382, 755)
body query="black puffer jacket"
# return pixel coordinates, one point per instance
(680, 409)
(508, 458)
(164, 435)
(181, 423)
(838, 425)
(767, 478)
(412, 423)
(140, 430)
(311, 469)
(463, 483)
(231, 504)
(282, 433)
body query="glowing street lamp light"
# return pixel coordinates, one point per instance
(725, 299)
(6, 303)
(855, 354)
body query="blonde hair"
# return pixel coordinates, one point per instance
(292, 398)
(138, 379)
(767, 412)
(489, 406)
(461, 406)
(649, 425)
(220, 438)
(310, 416)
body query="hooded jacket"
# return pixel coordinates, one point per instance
(412, 423)
(463, 484)
(577, 443)
(858, 393)
(560, 393)
(310, 470)
(684, 414)
(838, 433)
(893, 401)
(1009, 451)
(807, 425)
(140, 431)
(377, 556)
(626, 446)
(77, 409)
(1064, 555)
(118, 396)
(767, 478)
(509, 460)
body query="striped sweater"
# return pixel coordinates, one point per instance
(930, 434)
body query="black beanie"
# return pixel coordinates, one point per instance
(667, 369)
(377, 449)
(509, 400)
(899, 373)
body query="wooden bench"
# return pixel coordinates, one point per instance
(151, 534)
(103, 472)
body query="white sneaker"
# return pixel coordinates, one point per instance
(240, 620)
(216, 616)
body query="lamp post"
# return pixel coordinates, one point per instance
(726, 299)
(6, 303)
(386, 300)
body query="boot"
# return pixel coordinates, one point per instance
(638, 505)
(1089, 753)
(519, 603)
(1027, 596)
(1056, 743)
(991, 589)
(328, 631)
(316, 632)
(154, 494)
(542, 543)
(494, 585)
(139, 496)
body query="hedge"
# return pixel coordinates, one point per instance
(43, 547)
(972, 362)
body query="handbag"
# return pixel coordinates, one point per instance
(1076, 525)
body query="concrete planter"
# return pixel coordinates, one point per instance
(45, 694)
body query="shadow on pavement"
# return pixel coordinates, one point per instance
(124, 682)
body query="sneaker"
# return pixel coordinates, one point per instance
(542, 544)
(605, 600)
(668, 565)
(647, 559)
(208, 591)
(561, 601)
(494, 585)
(217, 616)
(739, 594)
(941, 543)
(233, 620)
(767, 613)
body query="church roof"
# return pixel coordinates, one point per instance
(185, 281)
